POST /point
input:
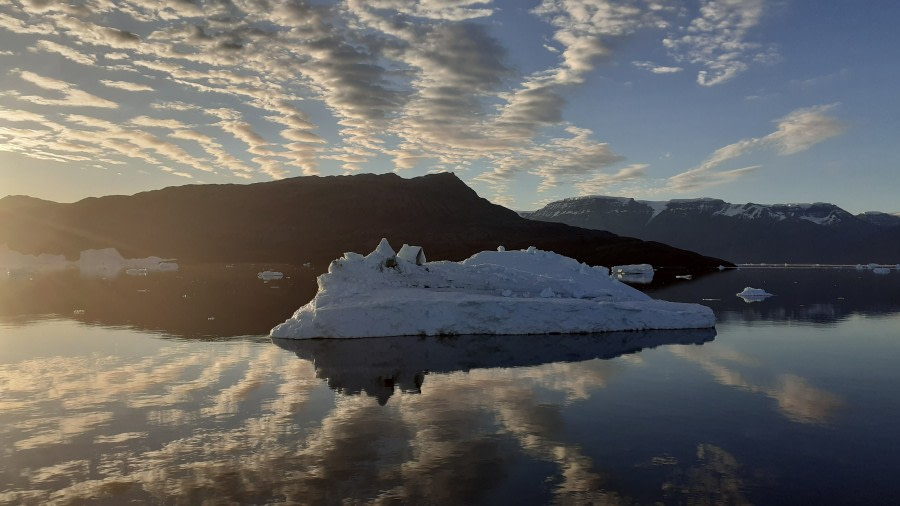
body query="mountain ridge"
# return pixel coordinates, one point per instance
(310, 219)
(818, 232)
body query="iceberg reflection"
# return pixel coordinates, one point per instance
(378, 366)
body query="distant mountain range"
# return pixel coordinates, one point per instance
(744, 233)
(310, 219)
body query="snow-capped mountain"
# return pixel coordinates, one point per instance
(816, 233)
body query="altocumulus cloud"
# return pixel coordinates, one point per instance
(248, 89)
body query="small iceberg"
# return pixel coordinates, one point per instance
(637, 274)
(493, 292)
(106, 262)
(881, 270)
(270, 275)
(632, 269)
(754, 294)
(167, 266)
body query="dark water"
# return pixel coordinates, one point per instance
(164, 389)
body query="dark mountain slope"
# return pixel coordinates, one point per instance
(309, 219)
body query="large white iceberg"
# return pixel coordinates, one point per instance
(493, 292)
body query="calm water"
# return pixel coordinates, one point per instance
(164, 389)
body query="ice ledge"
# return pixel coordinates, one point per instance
(498, 292)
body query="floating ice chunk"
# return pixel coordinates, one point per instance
(501, 248)
(632, 269)
(640, 274)
(109, 262)
(684, 276)
(721, 267)
(270, 275)
(753, 294)
(376, 296)
(91, 263)
(18, 274)
(881, 270)
(16, 263)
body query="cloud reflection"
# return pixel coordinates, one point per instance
(183, 422)
(795, 397)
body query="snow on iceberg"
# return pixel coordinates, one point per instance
(493, 292)
(753, 294)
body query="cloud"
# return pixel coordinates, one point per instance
(656, 69)
(572, 157)
(454, 10)
(584, 28)
(67, 52)
(343, 84)
(796, 132)
(696, 179)
(600, 183)
(175, 106)
(804, 128)
(32, 27)
(13, 115)
(717, 40)
(72, 96)
(166, 123)
(127, 86)
(47, 83)
(176, 173)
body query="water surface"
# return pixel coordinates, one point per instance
(164, 389)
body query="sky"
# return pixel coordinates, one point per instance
(527, 101)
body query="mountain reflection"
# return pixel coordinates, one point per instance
(197, 301)
(378, 366)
